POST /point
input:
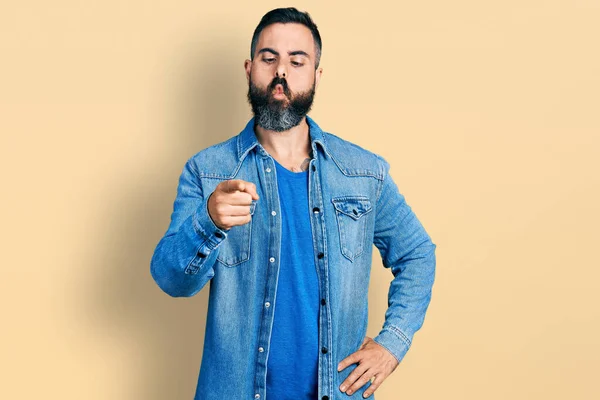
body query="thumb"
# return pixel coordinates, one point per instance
(364, 341)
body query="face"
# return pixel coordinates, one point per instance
(282, 79)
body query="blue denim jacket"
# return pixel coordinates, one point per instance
(354, 203)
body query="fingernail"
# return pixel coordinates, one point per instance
(343, 388)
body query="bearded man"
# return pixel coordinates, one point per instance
(280, 220)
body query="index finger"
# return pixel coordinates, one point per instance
(239, 184)
(351, 359)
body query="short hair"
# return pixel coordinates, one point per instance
(288, 15)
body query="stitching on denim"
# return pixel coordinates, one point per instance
(350, 253)
(218, 176)
(365, 173)
(325, 283)
(380, 190)
(342, 200)
(401, 334)
(196, 224)
(362, 149)
(249, 228)
(192, 271)
(199, 229)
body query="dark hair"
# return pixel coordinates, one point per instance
(288, 15)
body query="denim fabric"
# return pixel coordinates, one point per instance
(353, 203)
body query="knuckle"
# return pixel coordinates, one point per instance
(355, 376)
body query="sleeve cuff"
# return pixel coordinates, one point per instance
(394, 341)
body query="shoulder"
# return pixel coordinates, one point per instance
(216, 161)
(354, 159)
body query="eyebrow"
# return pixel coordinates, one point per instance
(291, 53)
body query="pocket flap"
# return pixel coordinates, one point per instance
(353, 206)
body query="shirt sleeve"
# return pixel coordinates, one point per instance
(184, 257)
(407, 249)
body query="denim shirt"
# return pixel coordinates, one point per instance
(353, 203)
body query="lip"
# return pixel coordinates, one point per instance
(278, 92)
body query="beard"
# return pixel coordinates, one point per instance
(279, 115)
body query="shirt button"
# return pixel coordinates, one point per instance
(257, 396)
(268, 169)
(316, 210)
(324, 350)
(272, 259)
(267, 304)
(323, 302)
(320, 255)
(325, 398)
(261, 349)
(273, 213)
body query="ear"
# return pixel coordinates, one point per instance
(248, 68)
(318, 74)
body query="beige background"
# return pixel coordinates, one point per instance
(487, 111)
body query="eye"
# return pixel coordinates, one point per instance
(297, 64)
(268, 60)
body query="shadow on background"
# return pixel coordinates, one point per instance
(164, 335)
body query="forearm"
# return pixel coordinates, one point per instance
(407, 249)
(183, 261)
(184, 258)
(408, 298)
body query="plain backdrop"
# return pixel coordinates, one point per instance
(488, 112)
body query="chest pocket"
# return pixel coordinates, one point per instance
(235, 249)
(352, 223)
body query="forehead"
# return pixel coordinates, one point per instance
(287, 37)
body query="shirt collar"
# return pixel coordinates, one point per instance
(247, 139)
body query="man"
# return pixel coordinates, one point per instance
(280, 221)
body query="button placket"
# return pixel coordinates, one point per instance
(269, 182)
(318, 230)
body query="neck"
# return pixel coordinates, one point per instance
(286, 145)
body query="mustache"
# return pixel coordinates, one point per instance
(279, 81)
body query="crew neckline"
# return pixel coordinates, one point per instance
(288, 172)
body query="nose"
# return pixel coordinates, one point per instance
(280, 72)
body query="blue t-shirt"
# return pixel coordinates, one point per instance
(292, 363)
